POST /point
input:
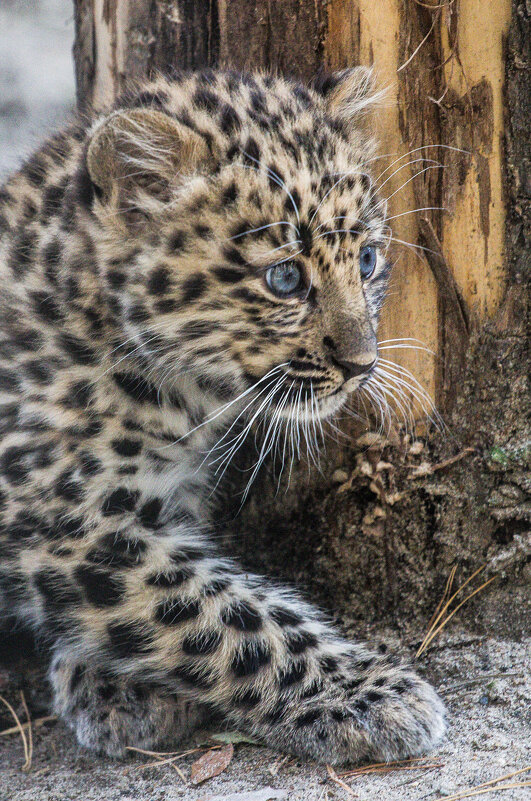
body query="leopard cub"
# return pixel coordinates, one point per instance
(207, 255)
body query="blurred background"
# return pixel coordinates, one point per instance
(37, 90)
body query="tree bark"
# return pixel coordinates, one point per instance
(383, 544)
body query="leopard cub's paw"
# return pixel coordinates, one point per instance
(108, 715)
(400, 713)
(370, 709)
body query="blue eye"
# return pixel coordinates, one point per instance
(284, 279)
(367, 261)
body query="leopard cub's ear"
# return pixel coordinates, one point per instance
(349, 94)
(138, 155)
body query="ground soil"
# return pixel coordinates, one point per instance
(482, 680)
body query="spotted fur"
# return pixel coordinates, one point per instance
(136, 327)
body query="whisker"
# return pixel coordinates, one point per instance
(127, 355)
(398, 368)
(398, 395)
(417, 150)
(274, 250)
(415, 388)
(411, 245)
(268, 442)
(376, 404)
(403, 167)
(336, 231)
(224, 407)
(408, 347)
(419, 172)
(355, 219)
(401, 339)
(227, 455)
(416, 211)
(263, 228)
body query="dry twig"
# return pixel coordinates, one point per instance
(172, 757)
(416, 50)
(159, 759)
(427, 469)
(446, 593)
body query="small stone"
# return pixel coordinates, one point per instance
(447, 788)
(416, 447)
(339, 476)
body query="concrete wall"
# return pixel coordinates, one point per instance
(37, 90)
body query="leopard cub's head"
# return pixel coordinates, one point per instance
(244, 242)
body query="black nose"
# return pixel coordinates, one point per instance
(352, 369)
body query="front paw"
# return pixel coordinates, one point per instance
(109, 715)
(402, 715)
(384, 714)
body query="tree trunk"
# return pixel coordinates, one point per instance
(383, 544)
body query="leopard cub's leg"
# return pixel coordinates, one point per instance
(108, 714)
(197, 627)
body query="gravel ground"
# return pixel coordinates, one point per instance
(484, 683)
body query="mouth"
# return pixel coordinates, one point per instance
(287, 396)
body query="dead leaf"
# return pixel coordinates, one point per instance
(211, 764)
(365, 468)
(375, 530)
(266, 794)
(234, 737)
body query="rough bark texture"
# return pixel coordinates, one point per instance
(366, 537)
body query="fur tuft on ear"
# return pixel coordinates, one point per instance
(142, 150)
(349, 94)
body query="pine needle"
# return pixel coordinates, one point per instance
(159, 761)
(368, 771)
(36, 724)
(389, 767)
(27, 765)
(486, 787)
(335, 778)
(477, 791)
(27, 756)
(446, 593)
(441, 618)
(173, 756)
(160, 754)
(474, 791)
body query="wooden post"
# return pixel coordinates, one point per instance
(456, 149)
